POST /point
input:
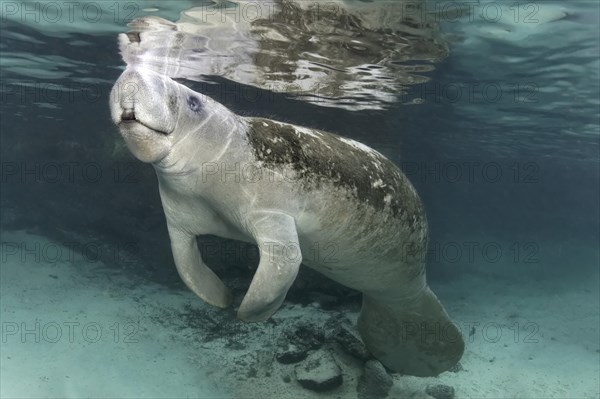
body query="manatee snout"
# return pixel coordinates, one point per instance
(142, 106)
(144, 97)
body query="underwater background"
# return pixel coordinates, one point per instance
(491, 109)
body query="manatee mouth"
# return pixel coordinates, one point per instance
(128, 115)
(128, 119)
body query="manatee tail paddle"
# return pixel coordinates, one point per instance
(413, 337)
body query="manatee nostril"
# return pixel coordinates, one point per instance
(128, 115)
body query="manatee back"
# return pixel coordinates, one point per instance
(319, 158)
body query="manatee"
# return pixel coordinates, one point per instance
(292, 191)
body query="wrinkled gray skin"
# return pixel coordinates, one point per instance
(303, 196)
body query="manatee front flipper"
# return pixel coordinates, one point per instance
(194, 272)
(414, 337)
(280, 258)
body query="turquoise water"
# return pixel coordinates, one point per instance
(490, 109)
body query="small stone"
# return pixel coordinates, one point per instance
(319, 372)
(351, 343)
(456, 368)
(295, 342)
(440, 391)
(306, 335)
(375, 382)
(291, 354)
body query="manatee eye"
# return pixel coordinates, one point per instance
(194, 103)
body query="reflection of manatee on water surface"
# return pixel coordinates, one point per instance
(352, 55)
(321, 188)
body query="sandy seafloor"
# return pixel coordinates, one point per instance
(150, 344)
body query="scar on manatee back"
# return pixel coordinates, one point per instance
(319, 157)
